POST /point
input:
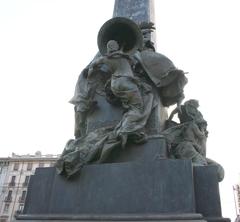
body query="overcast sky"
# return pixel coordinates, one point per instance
(44, 45)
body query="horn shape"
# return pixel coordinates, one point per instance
(124, 31)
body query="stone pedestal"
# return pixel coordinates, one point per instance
(158, 190)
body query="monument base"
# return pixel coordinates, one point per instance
(112, 218)
(158, 190)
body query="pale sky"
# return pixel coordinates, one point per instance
(44, 45)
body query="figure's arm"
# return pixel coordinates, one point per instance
(175, 111)
(94, 64)
(178, 109)
(179, 102)
(97, 61)
(197, 131)
(198, 148)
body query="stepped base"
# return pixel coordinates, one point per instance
(159, 190)
(117, 217)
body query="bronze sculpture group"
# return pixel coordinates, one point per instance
(132, 76)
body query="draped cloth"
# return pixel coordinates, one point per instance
(96, 146)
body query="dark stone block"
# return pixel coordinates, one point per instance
(116, 217)
(39, 191)
(207, 191)
(207, 196)
(157, 190)
(163, 186)
(155, 148)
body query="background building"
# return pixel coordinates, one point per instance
(236, 192)
(15, 173)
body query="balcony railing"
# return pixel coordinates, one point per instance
(25, 184)
(11, 184)
(8, 199)
(21, 199)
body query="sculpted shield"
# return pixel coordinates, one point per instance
(157, 66)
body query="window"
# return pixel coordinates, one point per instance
(24, 194)
(29, 166)
(20, 208)
(16, 166)
(41, 164)
(9, 193)
(13, 179)
(22, 198)
(12, 182)
(9, 196)
(26, 181)
(6, 208)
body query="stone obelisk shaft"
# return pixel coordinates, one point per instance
(137, 10)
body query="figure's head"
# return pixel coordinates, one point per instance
(192, 102)
(201, 123)
(112, 46)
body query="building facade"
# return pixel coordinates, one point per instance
(15, 173)
(236, 191)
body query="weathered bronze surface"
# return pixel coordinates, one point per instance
(187, 139)
(130, 81)
(129, 74)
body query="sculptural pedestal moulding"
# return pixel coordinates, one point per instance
(128, 162)
(159, 190)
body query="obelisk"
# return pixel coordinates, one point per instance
(137, 10)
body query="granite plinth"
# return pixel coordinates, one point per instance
(157, 190)
(112, 218)
(207, 197)
(161, 186)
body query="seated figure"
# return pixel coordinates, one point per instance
(187, 139)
